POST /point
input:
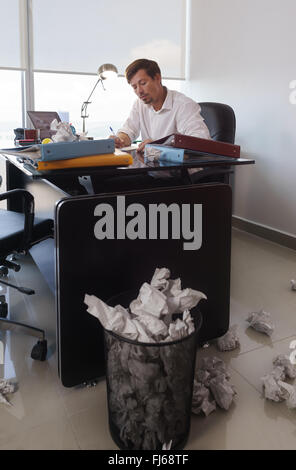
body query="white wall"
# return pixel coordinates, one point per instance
(242, 52)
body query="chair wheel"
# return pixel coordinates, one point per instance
(3, 310)
(3, 271)
(39, 351)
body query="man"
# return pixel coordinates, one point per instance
(158, 111)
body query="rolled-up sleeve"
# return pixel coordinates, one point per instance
(190, 121)
(131, 127)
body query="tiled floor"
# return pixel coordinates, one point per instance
(45, 415)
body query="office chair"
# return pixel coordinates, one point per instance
(18, 233)
(221, 122)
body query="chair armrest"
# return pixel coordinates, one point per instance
(28, 211)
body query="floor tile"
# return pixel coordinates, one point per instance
(51, 435)
(91, 426)
(46, 415)
(250, 423)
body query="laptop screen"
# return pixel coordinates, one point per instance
(42, 120)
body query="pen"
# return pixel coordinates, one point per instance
(112, 130)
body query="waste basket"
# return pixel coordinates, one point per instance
(149, 387)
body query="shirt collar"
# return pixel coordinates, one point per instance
(167, 104)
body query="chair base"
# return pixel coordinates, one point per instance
(39, 350)
(5, 265)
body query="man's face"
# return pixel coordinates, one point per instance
(148, 89)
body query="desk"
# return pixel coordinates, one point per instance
(85, 264)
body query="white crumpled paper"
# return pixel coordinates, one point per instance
(5, 388)
(212, 387)
(274, 387)
(63, 132)
(229, 341)
(271, 388)
(201, 401)
(290, 395)
(293, 284)
(149, 318)
(284, 361)
(261, 321)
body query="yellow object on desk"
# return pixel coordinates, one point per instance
(47, 140)
(108, 159)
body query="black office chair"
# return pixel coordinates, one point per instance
(221, 122)
(18, 233)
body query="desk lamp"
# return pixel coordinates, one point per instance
(104, 71)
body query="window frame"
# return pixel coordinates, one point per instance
(27, 54)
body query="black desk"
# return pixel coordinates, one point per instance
(140, 165)
(48, 187)
(106, 267)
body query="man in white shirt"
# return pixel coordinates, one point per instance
(158, 111)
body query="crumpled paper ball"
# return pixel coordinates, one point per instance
(229, 341)
(212, 386)
(6, 388)
(261, 321)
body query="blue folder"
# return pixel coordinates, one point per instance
(65, 150)
(164, 153)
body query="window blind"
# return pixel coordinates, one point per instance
(10, 50)
(79, 36)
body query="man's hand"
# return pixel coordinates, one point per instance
(142, 145)
(118, 142)
(121, 140)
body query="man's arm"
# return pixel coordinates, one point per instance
(121, 140)
(190, 122)
(131, 128)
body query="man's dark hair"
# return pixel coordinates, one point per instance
(150, 66)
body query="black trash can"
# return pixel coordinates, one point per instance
(149, 388)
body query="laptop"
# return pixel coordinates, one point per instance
(42, 120)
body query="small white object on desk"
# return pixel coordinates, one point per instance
(131, 147)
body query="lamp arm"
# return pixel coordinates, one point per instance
(84, 114)
(85, 103)
(99, 79)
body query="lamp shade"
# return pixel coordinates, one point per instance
(107, 70)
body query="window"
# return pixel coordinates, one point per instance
(66, 92)
(10, 33)
(100, 31)
(11, 105)
(40, 43)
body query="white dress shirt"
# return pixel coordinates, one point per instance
(179, 114)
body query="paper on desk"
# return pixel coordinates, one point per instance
(131, 147)
(33, 152)
(63, 133)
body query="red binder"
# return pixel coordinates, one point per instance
(200, 145)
